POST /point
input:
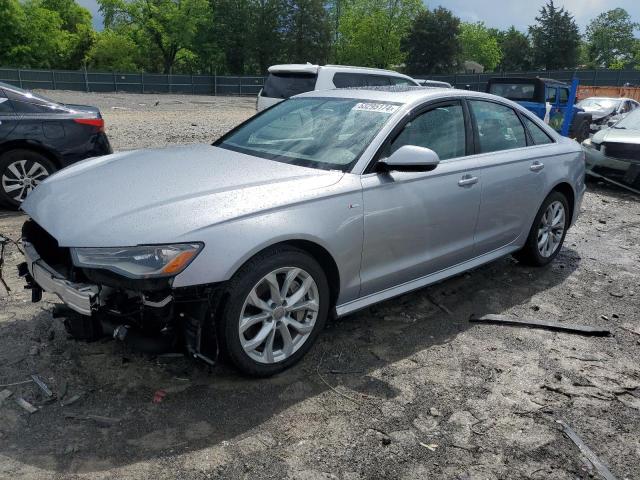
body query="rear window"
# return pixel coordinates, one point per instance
(514, 91)
(351, 80)
(285, 85)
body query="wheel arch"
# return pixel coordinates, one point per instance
(319, 252)
(33, 146)
(566, 189)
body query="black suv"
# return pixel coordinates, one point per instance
(39, 136)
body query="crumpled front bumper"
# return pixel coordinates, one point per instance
(80, 297)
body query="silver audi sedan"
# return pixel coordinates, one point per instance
(322, 205)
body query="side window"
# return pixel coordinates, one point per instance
(377, 80)
(551, 95)
(564, 96)
(499, 128)
(441, 129)
(626, 107)
(540, 137)
(346, 80)
(400, 81)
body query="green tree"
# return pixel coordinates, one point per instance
(307, 31)
(433, 45)
(231, 33)
(13, 27)
(370, 32)
(480, 45)
(45, 41)
(555, 38)
(516, 51)
(610, 39)
(113, 51)
(168, 26)
(267, 42)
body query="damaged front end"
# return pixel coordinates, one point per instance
(126, 293)
(614, 161)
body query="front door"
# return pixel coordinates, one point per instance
(417, 223)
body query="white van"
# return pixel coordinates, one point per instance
(285, 81)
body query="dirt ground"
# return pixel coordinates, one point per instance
(405, 389)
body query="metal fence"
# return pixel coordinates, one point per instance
(478, 81)
(132, 82)
(247, 85)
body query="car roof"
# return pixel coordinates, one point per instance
(401, 94)
(607, 98)
(310, 68)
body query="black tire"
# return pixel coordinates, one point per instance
(241, 285)
(530, 254)
(8, 177)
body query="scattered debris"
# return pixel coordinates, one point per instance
(430, 446)
(604, 317)
(434, 412)
(26, 405)
(439, 305)
(159, 395)
(630, 329)
(71, 400)
(100, 420)
(616, 294)
(4, 394)
(43, 386)
(557, 326)
(35, 350)
(16, 383)
(587, 452)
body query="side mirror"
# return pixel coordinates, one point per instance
(410, 158)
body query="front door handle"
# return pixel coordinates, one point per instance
(467, 180)
(536, 166)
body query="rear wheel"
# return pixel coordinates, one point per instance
(20, 172)
(583, 131)
(276, 307)
(547, 232)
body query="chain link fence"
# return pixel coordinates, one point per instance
(132, 82)
(248, 85)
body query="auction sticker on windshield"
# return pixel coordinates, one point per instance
(376, 107)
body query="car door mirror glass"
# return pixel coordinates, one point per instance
(411, 158)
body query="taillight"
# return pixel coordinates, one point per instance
(94, 122)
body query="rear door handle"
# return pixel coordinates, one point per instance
(536, 166)
(467, 180)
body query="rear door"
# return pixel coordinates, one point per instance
(511, 174)
(8, 119)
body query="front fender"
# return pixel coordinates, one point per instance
(334, 222)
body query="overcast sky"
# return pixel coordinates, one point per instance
(497, 13)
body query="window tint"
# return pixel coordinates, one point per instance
(29, 107)
(539, 136)
(441, 129)
(499, 128)
(285, 85)
(401, 81)
(564, 96)
(514, 91)
(346, 80)
(551, 95)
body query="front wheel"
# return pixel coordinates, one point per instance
(276, 307)
(547, 232)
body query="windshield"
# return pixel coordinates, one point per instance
(325, 133)
(631, 121)
(514, 91)
(598, 103)
(288, 84)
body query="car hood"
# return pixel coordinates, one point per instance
(617, 135)
(165, 195)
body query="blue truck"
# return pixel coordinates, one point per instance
(551, 100)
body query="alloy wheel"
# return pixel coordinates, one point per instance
(278, 315)
(551, 229)
(21, 177)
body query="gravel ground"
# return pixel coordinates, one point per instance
(405, 389)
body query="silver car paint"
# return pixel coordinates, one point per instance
(387, 233)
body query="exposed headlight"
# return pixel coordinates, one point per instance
(587, 142)
(138, 262)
